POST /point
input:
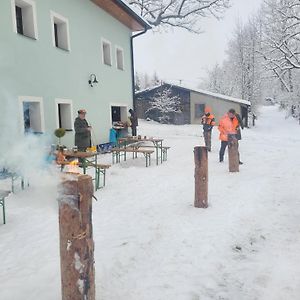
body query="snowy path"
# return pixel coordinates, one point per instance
(152, 244)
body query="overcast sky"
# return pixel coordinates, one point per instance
(180, 55)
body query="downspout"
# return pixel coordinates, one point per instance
(132, 65)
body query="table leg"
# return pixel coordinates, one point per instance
(84, 165)
(156, 152)
(2, 203)
(161, 153)
(125, 151)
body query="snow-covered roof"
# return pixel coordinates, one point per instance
(204, 92)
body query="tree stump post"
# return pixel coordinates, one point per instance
(76, 238)
(233, 154)
(201, 177)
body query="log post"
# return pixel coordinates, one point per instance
(233, 154)
(201, 177)
(76, 238)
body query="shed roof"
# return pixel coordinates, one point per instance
(200, 91)
(123, 13)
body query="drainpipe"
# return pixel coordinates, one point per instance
(132, 65)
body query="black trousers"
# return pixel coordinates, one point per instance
(133, 130)
(224, 144)
(207, 139)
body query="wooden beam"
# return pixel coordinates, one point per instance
(120, 14)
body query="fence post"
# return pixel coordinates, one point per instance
(201, 177)
(76, 238)
(233, 154)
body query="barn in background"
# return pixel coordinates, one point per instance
(192, 103)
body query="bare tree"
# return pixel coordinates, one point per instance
(281, 39)
(179, 13)
(240, 74)
(163, 105)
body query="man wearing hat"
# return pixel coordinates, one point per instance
(82, 131)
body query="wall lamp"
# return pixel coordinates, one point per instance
(92, 80)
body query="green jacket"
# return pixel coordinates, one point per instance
(82, 134)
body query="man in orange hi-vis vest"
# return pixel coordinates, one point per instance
(227, 126)
(208, 122)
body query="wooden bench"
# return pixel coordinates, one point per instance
(100, 169)
(116, 154)
(3, 195)
(164, 150)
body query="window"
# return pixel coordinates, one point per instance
(24, 18)
(120, 58)
(199, 110)
(60, 31)
(106, 53)
(32, 115)
(64, 114)
(118, 113)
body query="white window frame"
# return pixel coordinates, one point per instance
(23, 99)
(53, 16)
(13, 9)
(104, 41)
(64, 101)
(118, 48)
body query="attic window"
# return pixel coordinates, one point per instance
(25, 18)
(106, 53)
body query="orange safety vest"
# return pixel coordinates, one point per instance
(227, 126)
(208, 120)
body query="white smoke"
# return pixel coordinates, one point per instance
(23, 154)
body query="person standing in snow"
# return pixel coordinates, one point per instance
(82, 131)
(134, 122)
(228, 126)
(208, 122)
(241, 125)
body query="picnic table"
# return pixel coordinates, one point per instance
(136, 143)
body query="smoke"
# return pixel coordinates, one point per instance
(24, 154)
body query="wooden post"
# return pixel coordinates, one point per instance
(76, 238)
(201, 177)
(233, 154)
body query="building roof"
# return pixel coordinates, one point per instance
(220, 96)
(123, 13)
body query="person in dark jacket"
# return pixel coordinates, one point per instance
(134, 122)
(238, 129)
(82, 131)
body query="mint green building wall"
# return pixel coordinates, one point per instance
(36, 68)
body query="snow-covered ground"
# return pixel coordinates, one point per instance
(152, 244)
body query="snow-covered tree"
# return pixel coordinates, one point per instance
(137, 82)
(240, 75)
(163, 105)
(281, 50)
(281, 39)
(185, 14)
